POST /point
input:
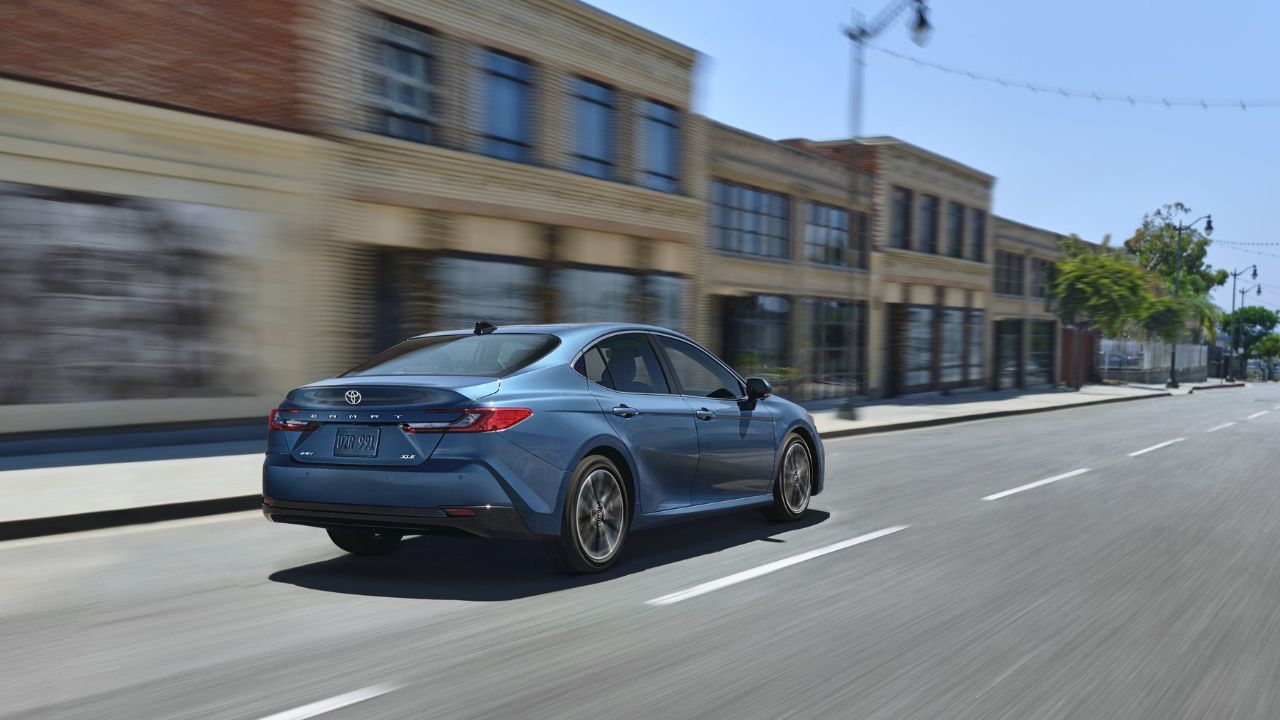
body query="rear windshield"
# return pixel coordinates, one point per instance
(492, 355)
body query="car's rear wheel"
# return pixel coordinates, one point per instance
(364, 542)
(794, 484)
(595, 520)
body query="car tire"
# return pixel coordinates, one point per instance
(364, 542)
(793, 484)
(595, 518)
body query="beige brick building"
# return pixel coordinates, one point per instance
(786, 276)
(1025, 333)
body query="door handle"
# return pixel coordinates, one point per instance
(625, 411)
(704, 414)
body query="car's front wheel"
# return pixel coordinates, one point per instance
(364, 542)
(794, 484)
(595, 520)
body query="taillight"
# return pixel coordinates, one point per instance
(279, 420)
(473, 420)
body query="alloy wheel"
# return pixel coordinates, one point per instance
(600, 514)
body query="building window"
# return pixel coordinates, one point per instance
(826, 234)
(1039, 370)
(667, 295)
(977, 235)
(1008, 353)
(955, 230)
(596, 105)
(862, 245)
(508, 107)
(405, 96)
(900, 218)
(466, 290)
(750, 220)
(756, 329)
(589, 295)
(1009, 269)
(1040, 278)
(661, 147)
(918, 349)
(952, 353)
(928, 224)
(837, 338)
(976, 332)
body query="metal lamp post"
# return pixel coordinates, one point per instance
(1236, 338)
(1177, 289)
(1231, 351)
(860, 32)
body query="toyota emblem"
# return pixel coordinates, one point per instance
(352, 397)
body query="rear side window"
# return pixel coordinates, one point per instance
(625, 363)
(493, 355)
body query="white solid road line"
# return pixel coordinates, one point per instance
(320, 707)
(1220, 427)
(1257, 414)
(1037, 484)
(1166, 443)
(753, 573)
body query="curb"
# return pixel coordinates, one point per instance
(1215, 387)
(977, 416)
(60, 524)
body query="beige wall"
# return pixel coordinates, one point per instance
(1029, 243)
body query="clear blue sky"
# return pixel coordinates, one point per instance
(781, 69)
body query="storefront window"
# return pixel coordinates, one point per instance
(467, 290)
(976, 329)
(1039, 369)
(597, 296)
(836, 344)
(953, 327)
(667, 295)
(1008, 352)
(755, 333)
(919, 347)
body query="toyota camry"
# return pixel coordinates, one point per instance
(574, 435)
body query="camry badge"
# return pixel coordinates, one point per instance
(352, 397)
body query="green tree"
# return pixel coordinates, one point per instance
(1166, 317)
(1247, 326)
(1154, 246)
(1096, 287)
(1268, 348)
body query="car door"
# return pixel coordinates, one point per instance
(654, 423)
(736, 437)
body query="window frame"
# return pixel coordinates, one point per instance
(653, 178)
(527, 116)
(955, 218)
(813, 212)
(608, 101)
(906, 196)
(751, 203)
(929, 243)
(383, 37)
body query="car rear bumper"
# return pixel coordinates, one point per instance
(488, 521)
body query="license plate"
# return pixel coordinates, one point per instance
(356, 442)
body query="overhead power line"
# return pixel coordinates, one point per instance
(1132, 99)
(1243, 243)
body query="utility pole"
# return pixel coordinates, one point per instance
(860, 32)
(1177, 289)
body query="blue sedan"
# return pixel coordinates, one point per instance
(571, 434)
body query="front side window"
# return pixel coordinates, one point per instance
(826, 234)
(699, 374)
(594, 145)
(751, 221)
(661, 146)
(900, 218)
(405, 96)
(625, 363)
(508, 109)
(493, 355)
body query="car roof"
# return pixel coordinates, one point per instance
(564, 331)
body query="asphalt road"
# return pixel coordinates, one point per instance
(1146, 587)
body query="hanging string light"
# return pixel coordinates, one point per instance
(1101, 97)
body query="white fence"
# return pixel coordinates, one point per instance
(1148, 362)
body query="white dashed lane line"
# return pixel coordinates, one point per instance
(1037, 484)
(1257, 414)
(774, 566)
(1220, 427)
(1164, 444)
(320, 707)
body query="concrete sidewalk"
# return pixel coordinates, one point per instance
(43, 497)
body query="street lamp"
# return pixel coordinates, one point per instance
(860, 32)
(1231, 351)
(1177, 289)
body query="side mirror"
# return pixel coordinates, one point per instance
(758, 387)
